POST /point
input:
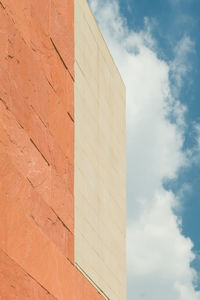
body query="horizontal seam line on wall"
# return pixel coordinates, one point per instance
(62, 60)
(28, 274)
(2, 5)
(39, 151)
(99, 290)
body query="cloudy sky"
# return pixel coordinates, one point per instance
(156, 46)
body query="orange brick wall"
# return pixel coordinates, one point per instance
(37, 153)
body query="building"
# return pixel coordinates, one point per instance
(62, 155)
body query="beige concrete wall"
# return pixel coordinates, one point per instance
(100, 175)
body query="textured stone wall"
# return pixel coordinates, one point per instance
(37, 153)
(100, 160)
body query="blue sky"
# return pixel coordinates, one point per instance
(156, 46)
(172, 20)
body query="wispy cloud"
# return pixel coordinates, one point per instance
(197, 127)
(179, 2)
(194, 152)
(159, 256)
(179, 66)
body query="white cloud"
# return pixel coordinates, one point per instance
(159, 256)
